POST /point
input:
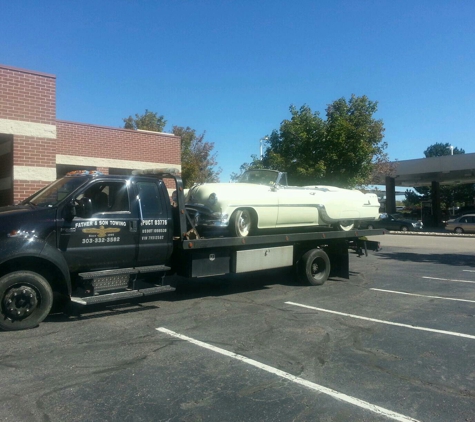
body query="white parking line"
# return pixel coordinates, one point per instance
(414, 327)
(469, 271)
(431, 297)
(316, 387)
(448, 279)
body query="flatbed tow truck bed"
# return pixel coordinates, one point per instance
(216, 256)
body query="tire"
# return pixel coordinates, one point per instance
(314, 267)
(25, 300)
(404, 228)
(345, 226)
(241, 223)
(458, 230)
(370, 227)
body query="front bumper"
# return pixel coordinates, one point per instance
(203, 216)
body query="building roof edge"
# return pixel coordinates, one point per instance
(31, 72)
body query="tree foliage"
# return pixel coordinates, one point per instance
(198, 161)
(147, 121)
(438, 150)
(342, 150)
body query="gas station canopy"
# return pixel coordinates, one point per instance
(447, 169)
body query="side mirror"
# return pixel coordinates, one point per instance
(70, 211)
(78, 208)
(83, 208)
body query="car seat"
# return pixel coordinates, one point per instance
(100, 202)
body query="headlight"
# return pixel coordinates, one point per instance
(224, 218)
(196, 219)
(213, 199)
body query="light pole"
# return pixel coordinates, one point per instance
(261, 142)
(451, 150)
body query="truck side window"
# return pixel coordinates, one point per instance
(108, 197)
(150, 199)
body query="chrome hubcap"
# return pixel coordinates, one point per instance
(244, 222)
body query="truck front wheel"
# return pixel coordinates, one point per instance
(25, 300)
(314, 267)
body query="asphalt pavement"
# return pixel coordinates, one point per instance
(396, 341)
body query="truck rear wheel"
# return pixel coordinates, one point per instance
(314, 267)
(25, 300)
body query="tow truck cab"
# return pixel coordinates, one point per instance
(79, 233)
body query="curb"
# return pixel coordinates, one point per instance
(447, 234)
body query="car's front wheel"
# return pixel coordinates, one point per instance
(241, 223)
(404, 228)
(370, 227)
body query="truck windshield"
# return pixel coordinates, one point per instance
(54, 193)
(259, 177)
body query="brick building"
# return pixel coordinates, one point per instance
(35, 148)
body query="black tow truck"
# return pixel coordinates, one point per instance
(89, 238)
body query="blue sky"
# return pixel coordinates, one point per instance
(233, 68)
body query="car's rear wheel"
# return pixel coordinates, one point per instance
(346, 226)
(458, 230)
(241, 223)
(370, 227)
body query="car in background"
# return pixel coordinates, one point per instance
(261, 199)
(465, 223)
(393, 222)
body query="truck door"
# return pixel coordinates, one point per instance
(109, 238)
(156, 225)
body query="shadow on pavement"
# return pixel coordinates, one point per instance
(186, 289)
(445, 258)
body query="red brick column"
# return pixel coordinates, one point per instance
(28, 112)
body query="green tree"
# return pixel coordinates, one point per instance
(256, 163)
(147, 121)
(342, 150)
(438, 150)
(198, 162)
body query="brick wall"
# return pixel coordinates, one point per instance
(114, 143)
(25, 188)
(28, 113)
(6, 170)
(40, 142)
(36, 152)
(32, 152)
(128, 146)
(27, 96)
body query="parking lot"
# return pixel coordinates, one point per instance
(394, 342)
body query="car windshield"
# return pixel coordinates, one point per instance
(54, 193)
(259, 177)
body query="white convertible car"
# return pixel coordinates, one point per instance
(261, 199)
